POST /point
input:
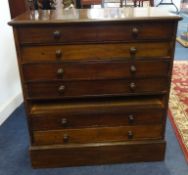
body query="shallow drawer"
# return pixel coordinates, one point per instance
(136, 111)
(95, 70)
(62, 89)
(95, 135)
(87, 52)
(99, 32)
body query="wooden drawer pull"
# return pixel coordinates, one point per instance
(130, 134)
(131, 119)
(133, 50)
(64, 122)
(132, 86)
(60, 72)
(135, 31)
(57, 34)
(61, 89)
(133, 69)
(58, 53)
(65, 138)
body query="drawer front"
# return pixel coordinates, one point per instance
(97, 32)
(96, 52)
(96, 119)
(95, 70)
(128, 111)
(96, 88)
(95, 135)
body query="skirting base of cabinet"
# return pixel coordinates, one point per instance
(93, 154)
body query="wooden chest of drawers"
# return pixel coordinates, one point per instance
(96, 89)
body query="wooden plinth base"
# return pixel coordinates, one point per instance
(92, 154)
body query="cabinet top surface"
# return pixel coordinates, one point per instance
(93, 15)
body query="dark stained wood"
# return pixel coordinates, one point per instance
(96, 52)
(55, 121)
(26, 105)
(98, 134)
(151, 3)
(99, 32)
(97, 114)
(17, 7)
(95, 70)
(121, 63)
(75, 155)
(90, 2)
(61, 89)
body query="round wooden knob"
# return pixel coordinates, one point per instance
(64, 122)
(61, 89)
(58, 53)
(135, 31)
(130, 134)
(65, 138)
(60, 72)
(131, 119)
(57, 34)
(133, 50)
(133, 69)
(132, 86)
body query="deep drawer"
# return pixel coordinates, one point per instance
(95, 70)
(96, 135)
(86, 52)
(99, 32)
(62, 89)
(135, 111)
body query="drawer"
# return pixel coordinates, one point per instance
(86, 52)
(99, 32)
(96, 135)
(65, 89)
(95, 70)
(135, 111)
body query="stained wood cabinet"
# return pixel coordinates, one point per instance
(96, 88)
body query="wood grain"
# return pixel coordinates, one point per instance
(52, 89)
(97, 33)
(101, 52)
(75, 155)
(95, 70)
(96, 83)
(120, 112)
